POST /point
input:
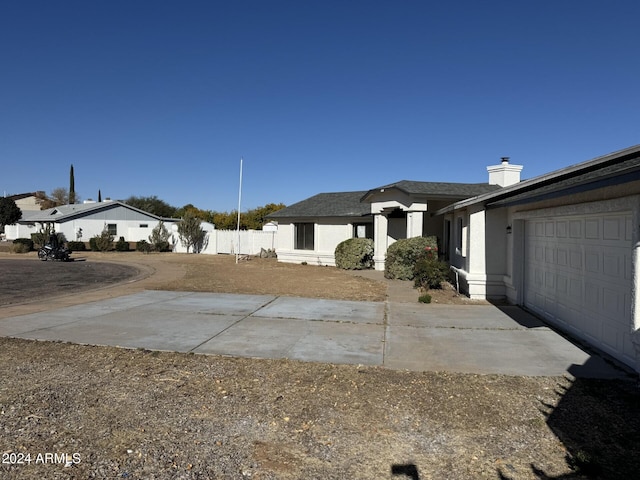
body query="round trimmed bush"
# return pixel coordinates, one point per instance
(122, 245)
(143, 246)
(76, 246)
(27, 242)
(403, 255)
(354, 254)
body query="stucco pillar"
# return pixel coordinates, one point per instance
(477, 275)
(414, 224)
(380, 227)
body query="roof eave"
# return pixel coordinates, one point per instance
(542, 180)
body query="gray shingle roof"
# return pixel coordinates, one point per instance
(616, 164)
(64, 212)
(338, 204)
(437, 189)
(630, 169)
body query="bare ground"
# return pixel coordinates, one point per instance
(140, 414)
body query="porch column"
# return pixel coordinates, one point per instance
(414, 224)
(380, 224)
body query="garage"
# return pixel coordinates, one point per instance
(578, 276)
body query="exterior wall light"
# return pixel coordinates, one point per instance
(508, 229)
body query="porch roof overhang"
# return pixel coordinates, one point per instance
(431, 190)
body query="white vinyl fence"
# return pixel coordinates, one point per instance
(251, 241)
(226, 241)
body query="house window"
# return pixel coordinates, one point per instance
(112, 228)
(447, 239)
(363, 230)
(304, 236)
(459, 226)
(144, 225)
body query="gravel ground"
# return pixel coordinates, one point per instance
(72, 411)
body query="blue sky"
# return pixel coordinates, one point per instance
(164, 97)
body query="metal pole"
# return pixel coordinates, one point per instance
(239, 201)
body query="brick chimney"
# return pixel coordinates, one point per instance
(504, 174)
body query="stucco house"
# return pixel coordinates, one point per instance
(29, 201)
(85, 220)
(563, 245)
(310, 230)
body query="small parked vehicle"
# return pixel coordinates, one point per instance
(54, 251)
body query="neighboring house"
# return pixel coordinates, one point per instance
(310, 230)
(29, 201)
(563, 245)
(86, 220)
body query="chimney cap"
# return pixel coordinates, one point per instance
(505, 159)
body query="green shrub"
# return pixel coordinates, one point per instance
(26, 242)
(403, 255)
(42, 237)
(355, 254)
(122, 245)
(143, 246)
(76, 246)
(429, 272)
(102, 242)
(426, 298)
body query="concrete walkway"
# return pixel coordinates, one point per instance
(481, 339)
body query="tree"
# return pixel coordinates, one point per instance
(250, 220)
(102, 242)
(72, 187)
(59, 196)
(256, 218)
(152, 205)
(10, 213)
(159, 238)
(191, 233)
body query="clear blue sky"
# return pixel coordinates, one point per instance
(164, 97)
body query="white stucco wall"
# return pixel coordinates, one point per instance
(328, 233)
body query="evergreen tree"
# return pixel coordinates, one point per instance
(10, 213)
(72, 187)
(191, 233)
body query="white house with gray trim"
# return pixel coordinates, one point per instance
(310, 230)
(85, 220)
(563, 245)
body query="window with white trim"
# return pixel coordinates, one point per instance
(304, 236)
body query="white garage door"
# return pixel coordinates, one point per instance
(578, 277)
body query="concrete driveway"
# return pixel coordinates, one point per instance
(481, 339)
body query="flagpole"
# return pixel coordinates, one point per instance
(239, 201)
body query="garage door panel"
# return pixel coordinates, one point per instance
(575, 259)
(614, 228)
(578, 273)
(592, 296)
(613, 303)
(592, 261)
(592, 229)
(575, 229)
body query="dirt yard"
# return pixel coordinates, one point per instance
(71, 411)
